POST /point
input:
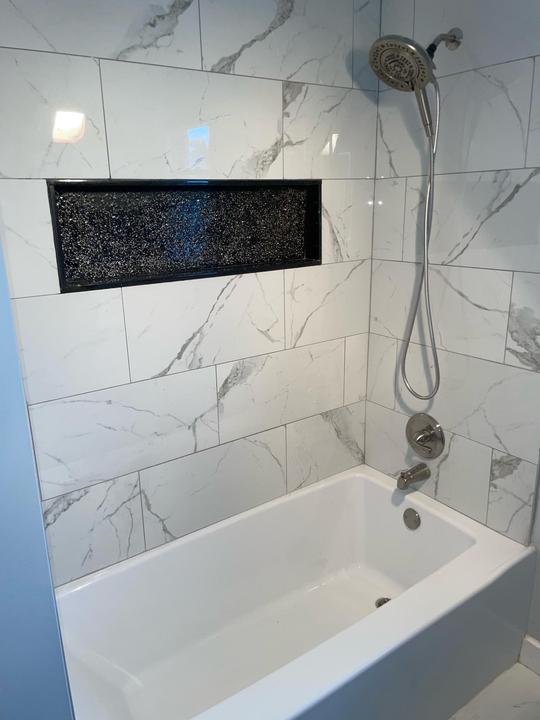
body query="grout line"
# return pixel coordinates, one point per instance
(202, 450)
(217, 406)
(485, 521)
(508, 319)
(345, 368)
(286, 429)
(104, 117)
(404, 218)
(530, 111)
(142, 513)
(200, 34)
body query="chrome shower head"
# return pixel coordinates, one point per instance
(401, 63)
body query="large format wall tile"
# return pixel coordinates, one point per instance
(397, 17)
(71, 344)
(172, 327)
(328, 131)
(94, 527)
(382, 370)
(167, 123)
(326, 302)
(523, 342)
(533, 148)
(27, 238)
(485, 401)
(35, 86)
(470, 306)
(511, 496)
(356, 358)
(270, 390)
(469, 139)
(388, 218)
(166, 34)
(494, 31)
(347, 212)
(367, 15)
(459, 477)
(308, 41)
(105, 434)
(184, 495)
(325, 444)
(489, 220)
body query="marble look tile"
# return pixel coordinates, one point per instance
(35, 86)
(169, 123)
(27, 238)
(523, 341)
(475, 220)
(469, 139)
(481, 23)
(173, 327)
(397, 17)
(473, 400)
(514, 695)
(366, 29)
(388, 218)
(356, 357)
(308, 41)
(166, 34)
(382, 370)
(470, 306)
(91, 528)
(328, 131)
(71, 344)
(185, 495)
(98, 436)
(512, 492)
(347, 213)
(270, 390)
(533, 147)
(326, 302)
(459, 477)
(325, 444)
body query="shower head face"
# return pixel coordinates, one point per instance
(401, 63)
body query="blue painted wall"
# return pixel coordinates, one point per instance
(33, 681)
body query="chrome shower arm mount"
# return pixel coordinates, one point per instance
(452, 39)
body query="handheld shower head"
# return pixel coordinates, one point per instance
(404, 65)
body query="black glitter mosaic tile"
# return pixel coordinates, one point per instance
(110, 233)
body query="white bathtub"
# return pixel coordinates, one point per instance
(270, 615)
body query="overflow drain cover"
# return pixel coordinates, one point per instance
(382, 601)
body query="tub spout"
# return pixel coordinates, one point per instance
(413, 475)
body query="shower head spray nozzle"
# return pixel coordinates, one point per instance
(401, 63)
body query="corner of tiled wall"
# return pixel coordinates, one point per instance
(154, 410)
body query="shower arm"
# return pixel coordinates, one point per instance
(452, 40)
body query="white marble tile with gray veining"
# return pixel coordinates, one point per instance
(324, 445)
(326, 302)
(42, 96)
(469, 139)
(381, 378)
(101, 435)
(397, 17)
(523, 341)
(91, 528)
(459, 477)
(356, 359)
(388, 218)
(166, 34)
(71, 344)
(470, 306)
(328, 131)
(266, 391)
(171, 123)
(488, 220)
(347, 213)
(514, 695)
(366, 21)
(185, 495)
(173, 327)
(512, 492)
(304, 40)
(27, 238)
(473, 400)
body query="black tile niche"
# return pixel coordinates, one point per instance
(110, 233)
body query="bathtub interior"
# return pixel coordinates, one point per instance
(183, 627)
